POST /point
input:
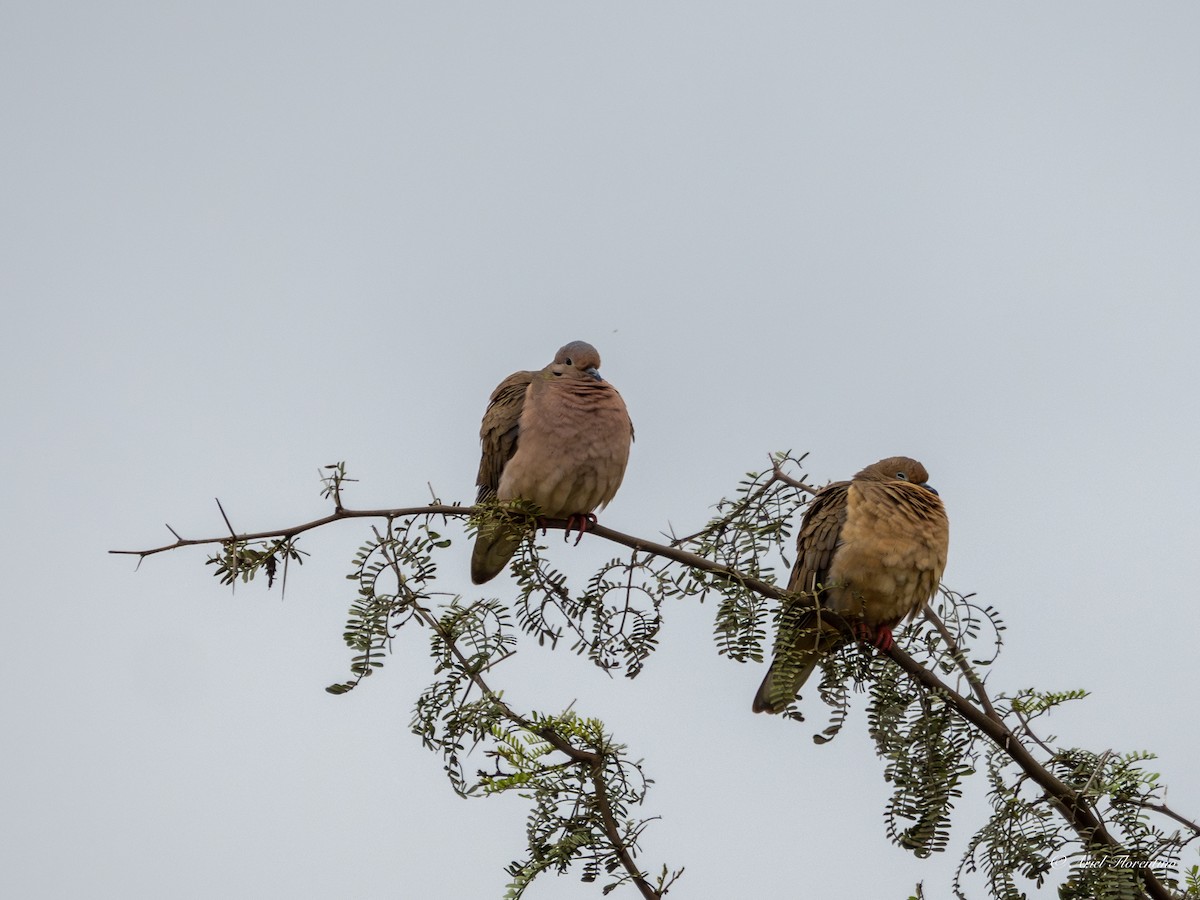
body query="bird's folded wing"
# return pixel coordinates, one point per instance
(500, 429)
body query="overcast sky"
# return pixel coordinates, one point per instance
(241, 241)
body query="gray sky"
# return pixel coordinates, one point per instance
(244, 240)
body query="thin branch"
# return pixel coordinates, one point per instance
(613, 833)
(595, 762)
(960, 659)
(1067, 802)
(1171, 814)
(759, 587)
(779, 475)
(336, 516)
(1028, 729)
(667, 552)
(1095, 772)
(592, 760)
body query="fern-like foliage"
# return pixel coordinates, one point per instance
(750, 535)
(393, 572)
(614, 620)
(453, 715)
(581, 783)
(1024, 836)
(243, 560)
(928, 751)
(581, 813)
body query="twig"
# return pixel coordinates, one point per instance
(1171, 814)
(976, 683)
(1028, 729)
(1096, 771)
(595, 762)
(336, 516)
(779, 475)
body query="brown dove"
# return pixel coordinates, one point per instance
(875, 548)
(558, 438)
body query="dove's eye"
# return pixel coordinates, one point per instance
(568, 361)
(902, 476)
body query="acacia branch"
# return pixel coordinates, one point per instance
(1171, 814)
(593, 761)
(336, 516)
(667, 552)
(960, 659)
(1069, 803)
(777, 474)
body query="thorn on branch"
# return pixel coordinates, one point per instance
(228, 524)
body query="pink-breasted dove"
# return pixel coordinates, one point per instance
(558, 438)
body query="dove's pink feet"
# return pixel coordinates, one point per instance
(581, 522)
(880, 636)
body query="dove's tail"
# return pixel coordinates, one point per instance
(809, 641)
(493, 550)
(779, 689)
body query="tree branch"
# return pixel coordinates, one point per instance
(1070, 804)
(1171, 814)
(594, 761)
(777, 474)
(973, 679)
(336, 516)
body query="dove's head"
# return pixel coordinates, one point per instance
(896, 468)
(578, 359)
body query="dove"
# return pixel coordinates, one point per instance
(872, 550)
(558, 438)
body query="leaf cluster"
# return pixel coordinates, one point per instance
(393, 573)
(614, 621)
(749, 535)
(1024, 835)
(240, 560)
